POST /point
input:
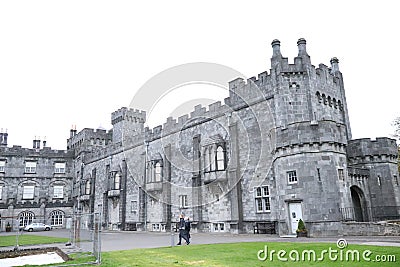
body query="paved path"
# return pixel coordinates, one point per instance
(114, 240)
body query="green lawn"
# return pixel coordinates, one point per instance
(233, 254)
(240, 254)
(28, 239)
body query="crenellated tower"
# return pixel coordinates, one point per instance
(127, 123)
(312, 132)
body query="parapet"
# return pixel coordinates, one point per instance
(31, 152)
(128, 114)
(360, 148)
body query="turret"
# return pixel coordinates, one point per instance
(334, 65)
(127, 122)
(276, 48)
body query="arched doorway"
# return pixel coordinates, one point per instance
(357, 197)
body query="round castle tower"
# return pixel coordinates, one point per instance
(312, 133)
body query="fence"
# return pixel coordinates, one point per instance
(83, 233)
(370, 214)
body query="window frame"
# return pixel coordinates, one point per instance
(117, 181)
(220, 152)
(183, 201)
(26, 195)
(58, 217)
(341, 174)
(2, 166)
(88, 187)
(158, 170)
(30, 169)
(25, 218)
(58, 196)
(262, 199)
(214, 157)
(292, 177)
(59, 169)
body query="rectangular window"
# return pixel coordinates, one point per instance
(396, 180)
(58, 191)
(134, 206)
(183, 203)
(292, 177)
(28, 192)
(59, 167)
(117, 180)
(262, 199)
(30, 167)
(2, 165)
(156, 227)
(341, 174)
(219, 227)
(1, 192)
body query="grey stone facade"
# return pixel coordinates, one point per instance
(277, 150)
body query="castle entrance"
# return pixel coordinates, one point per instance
(357, 197)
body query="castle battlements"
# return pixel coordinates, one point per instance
(367, 150)
(128, 114)
(31, 152)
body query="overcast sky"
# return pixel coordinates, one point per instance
(75, 62)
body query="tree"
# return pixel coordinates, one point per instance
(396, 125)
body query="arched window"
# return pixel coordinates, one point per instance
(220, 159)
(25, 218)
(212, 158)
(334, 103)
(340, 105)
(57, 218)
(319, 97)
(206, 160)
(324, 99)
(117, 181)
(87, 187)
(158, 172)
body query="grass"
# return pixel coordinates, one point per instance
(238, 254)
(28, 239)
(232, 254)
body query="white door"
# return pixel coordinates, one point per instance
(295, 215)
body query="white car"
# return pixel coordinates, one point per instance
(37, 227)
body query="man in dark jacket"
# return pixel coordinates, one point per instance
(186, 232)
(181, 227)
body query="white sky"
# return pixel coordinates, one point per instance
(75, 62)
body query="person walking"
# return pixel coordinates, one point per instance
(181, 227)
(187, 231)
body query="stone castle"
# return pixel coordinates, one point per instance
(278, 150)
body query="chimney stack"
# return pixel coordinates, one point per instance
(276, 48)
(36, 142)
(301, 45)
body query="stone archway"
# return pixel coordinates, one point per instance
(358, 199)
